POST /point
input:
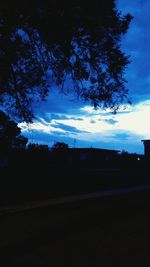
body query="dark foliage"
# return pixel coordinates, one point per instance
(47, 42)
(10, 137)
(60, 146)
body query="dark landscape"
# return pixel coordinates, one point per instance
(99, 232)
(74, 133)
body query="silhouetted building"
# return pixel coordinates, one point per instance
(146, 148)
(85, 157)
(92, 157)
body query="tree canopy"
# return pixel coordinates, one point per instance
(10, 134)
(48, 42)
(60, 146)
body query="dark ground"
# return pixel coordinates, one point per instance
(18, 185)
(111, 231)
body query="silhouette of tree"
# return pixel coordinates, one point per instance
(60, 146)
(43, 43)
(10, 134)
(38, 148)
(8, 129)
(37, 156)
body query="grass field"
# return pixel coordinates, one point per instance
(111, 231)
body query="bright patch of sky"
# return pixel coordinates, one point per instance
(96, 128)
(62, 118)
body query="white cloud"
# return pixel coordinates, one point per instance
(137, 121)
(39, 126)
(131, 126)
(133, 119)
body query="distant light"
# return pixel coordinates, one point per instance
(138, 158)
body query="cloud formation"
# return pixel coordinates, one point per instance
(66, 128)
(121, 131)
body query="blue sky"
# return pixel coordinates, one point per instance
(65, 119)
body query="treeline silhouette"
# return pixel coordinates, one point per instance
(33, 172)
